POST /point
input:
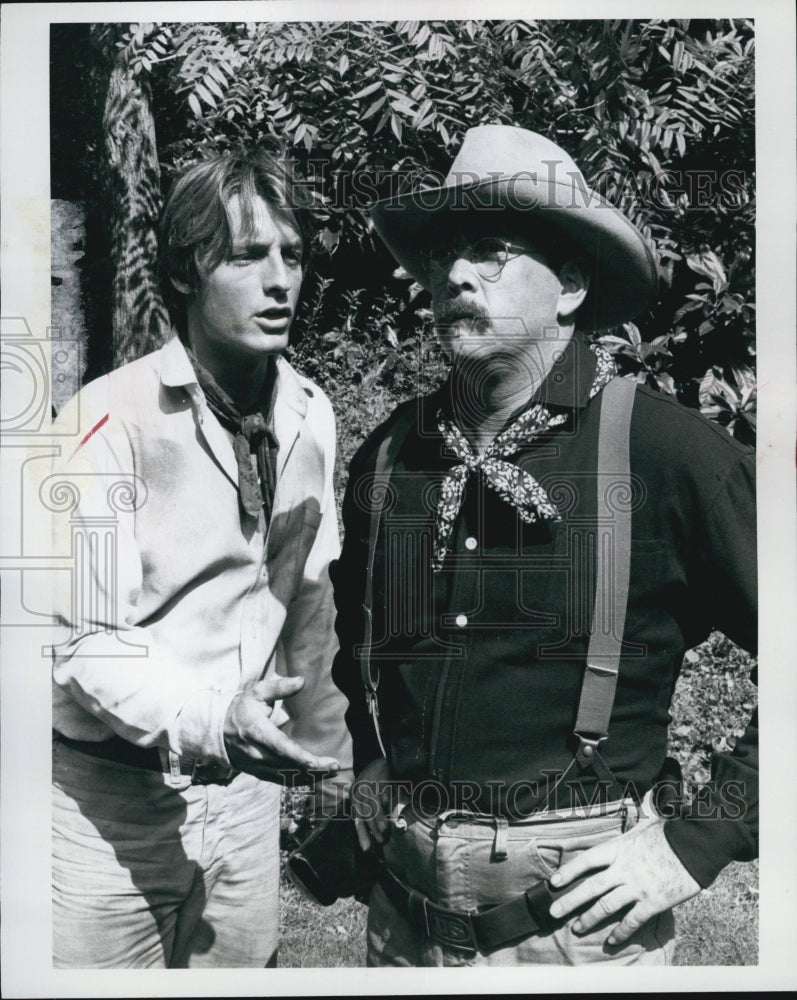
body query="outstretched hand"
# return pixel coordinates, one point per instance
(638, 873)
(256, 745)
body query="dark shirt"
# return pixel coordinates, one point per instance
(481, 664)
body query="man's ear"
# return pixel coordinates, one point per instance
(574, 279)
(181, 286)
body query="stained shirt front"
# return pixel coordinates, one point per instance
(179, 597)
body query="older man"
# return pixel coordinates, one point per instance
(207, 604)
(535, 545)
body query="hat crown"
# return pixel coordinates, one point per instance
(510, 169)
(492, 151)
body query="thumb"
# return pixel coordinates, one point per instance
(272, 688)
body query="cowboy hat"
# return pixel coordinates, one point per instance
(502, 168)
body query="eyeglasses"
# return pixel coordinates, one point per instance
(489, 255)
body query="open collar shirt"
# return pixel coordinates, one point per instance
(178, 597)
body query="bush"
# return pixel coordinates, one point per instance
(658, 114)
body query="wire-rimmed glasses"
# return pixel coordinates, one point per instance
(489, 255)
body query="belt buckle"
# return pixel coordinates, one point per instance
(211, 774)
(448, 927)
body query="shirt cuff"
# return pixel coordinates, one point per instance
(705, 846)
(199, 729)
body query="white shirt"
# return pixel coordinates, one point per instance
(179, 598)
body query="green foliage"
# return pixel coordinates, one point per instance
(658, 114)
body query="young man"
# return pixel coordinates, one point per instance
(207, 604)
(517, 537)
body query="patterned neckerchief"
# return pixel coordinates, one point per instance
(512, 483)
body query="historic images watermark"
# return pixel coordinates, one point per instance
(695, 189)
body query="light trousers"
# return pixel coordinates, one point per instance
(149, 876)
(464, 863)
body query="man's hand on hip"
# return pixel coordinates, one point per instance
(256, 745)
(637, 872)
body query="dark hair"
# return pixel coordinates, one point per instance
(195, 228)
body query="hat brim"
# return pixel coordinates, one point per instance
(623, 280)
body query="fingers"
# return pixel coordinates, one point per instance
(367, 803)
(271, 689)
(628, 926)
(273, 741)
(368, 811)
(609, 905)
(582, 894)
(584, 862)
(363, 835)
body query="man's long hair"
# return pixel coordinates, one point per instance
(195, 228)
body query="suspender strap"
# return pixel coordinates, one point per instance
(612, 572)
(380, 487)
(612, 567)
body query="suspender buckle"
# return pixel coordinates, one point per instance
(587, 748)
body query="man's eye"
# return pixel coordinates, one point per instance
(292, 256)
(489, 249)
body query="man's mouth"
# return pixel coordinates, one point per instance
(275, 314)
(457, 313)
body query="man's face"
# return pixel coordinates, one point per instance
(484, 310)
(243, 310)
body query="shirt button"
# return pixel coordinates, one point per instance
(471, 544)
(461, 620)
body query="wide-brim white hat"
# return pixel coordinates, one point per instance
(500, 169)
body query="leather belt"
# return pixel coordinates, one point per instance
(485, 931)
(149, 758)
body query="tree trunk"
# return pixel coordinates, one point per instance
(69, 349)
(140, 319)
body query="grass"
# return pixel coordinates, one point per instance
(320, 937)
(711, 705)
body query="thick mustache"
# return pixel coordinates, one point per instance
(455, 309)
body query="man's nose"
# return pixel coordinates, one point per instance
(462, 275)
(275, 275)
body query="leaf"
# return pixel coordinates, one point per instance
(194, 104)
(665, 382)
(206, 95)
(633, 333)
(708, 264)
(329, 239)
(372, 110)
(367, 90)
(211, 84)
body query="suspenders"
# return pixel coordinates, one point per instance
(612, 572)
(612, 559)
(385, 460)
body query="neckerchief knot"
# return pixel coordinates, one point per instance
(252, 435)
(512, 483)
